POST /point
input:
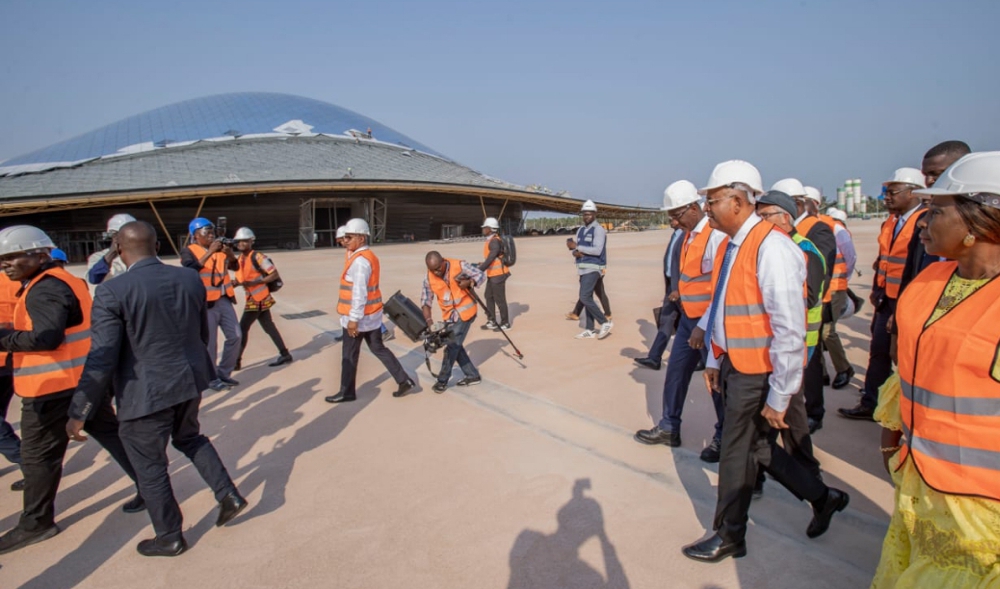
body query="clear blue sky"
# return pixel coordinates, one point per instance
(610, 100)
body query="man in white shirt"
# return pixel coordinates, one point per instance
(755, 333)
(360, 308)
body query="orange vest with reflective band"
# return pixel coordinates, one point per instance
(951, 389)
(803, 229)
(8, 300)
(892, 253)
(247, 272)
(497, 268)
(214, 274)
(840, 278)
(748, 327)
(43, 373)
(695, 286)
(450, 296)
(374, 302)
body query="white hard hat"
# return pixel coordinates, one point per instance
(975, 176)
(588, 206)
(837, 214)
(244, 233)
(733, 171)
(814, 194)
(115, 223)
(907, 176)
(341, 232)
(357, 227)
(23, 238)
(790, 186)
(679, 194)
(492, 223)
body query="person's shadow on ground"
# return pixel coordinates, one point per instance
(553, 561)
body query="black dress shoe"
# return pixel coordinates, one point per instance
(647, 363)
(655, 435)
(711, 452)
(404, 388)
(230, 506)
(860, 411)
(439, 387)
(157, 547)
(17, 485)
(814, 425)
(700, 367)
(229, 382)
(282, 359)
(135, 505)
(843, 378)
(19, 538)
(714, 549)
(469, 381)
(340, 398)
(836, 500)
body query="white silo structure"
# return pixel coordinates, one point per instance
(849, 196)
(856, 188)
(841, 199)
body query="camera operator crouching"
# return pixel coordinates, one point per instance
(210, 254)
(259, 278)
(449, 280)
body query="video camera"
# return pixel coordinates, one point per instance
(220, 232)
(408, 317)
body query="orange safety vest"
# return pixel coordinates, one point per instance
(747, 325)
(803, 229)
(214, 274)
(247, 272)
(374, 302)
(51, 371)
(840, 277)
(695, 287)
(450, 296)
(8, 300)
(951, 391)
(892, 253)
(497, 268)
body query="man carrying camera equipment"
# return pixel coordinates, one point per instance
(360, 309)
(106, 263)
(210, 255)
(496, 275)
(257, 275)
(449, 280)
(591, 253)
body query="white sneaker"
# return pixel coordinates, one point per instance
(506, 327)
(605, 330)
(586, 334)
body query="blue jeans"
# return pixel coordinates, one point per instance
(455, 351)
(680, 368)
(592, 311)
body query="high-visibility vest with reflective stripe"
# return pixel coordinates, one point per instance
(892, 253)
(373, 303)
(247, 272)
(804, 227)
(214, 274)
(840, 278)
(951, 391)
(695, 286)
(497, 267)
(814, 314)
(43, 373)
(450, 296)
(833, 225)
(8, 300)
(747, 325)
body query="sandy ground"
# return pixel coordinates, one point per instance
(531, 479)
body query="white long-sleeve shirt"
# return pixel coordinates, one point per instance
(781, 272)
(845, 245)
(707, 260)
(358, 274)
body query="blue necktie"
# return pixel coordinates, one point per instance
(899, 227)
(717, 295)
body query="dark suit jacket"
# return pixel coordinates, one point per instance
(149, 332)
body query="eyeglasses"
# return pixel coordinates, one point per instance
(898, 191)
(769, 215)
(676, 215)
(711, 203)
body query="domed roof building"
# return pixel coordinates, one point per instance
(292, 168)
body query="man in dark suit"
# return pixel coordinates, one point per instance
(670, 310)
(149, 331)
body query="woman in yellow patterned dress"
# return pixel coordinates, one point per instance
(941, 412)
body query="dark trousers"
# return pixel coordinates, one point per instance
(145, 440)
(601, 294)
(669, 314)
(812, 384)
(879, 354)
(350, 352)
(747, 444)
(796, 439)
(588, 282)
(828, 334)
(10, 444)
(496, 296)
(680, 369)
(43, 448)
(266, 323)
(455, 352)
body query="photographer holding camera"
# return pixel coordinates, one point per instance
(105, 263)
(210, 254)
(449, 281)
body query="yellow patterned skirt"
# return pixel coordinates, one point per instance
(935, 540)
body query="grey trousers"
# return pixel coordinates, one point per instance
(828, 334)
(223, 314)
